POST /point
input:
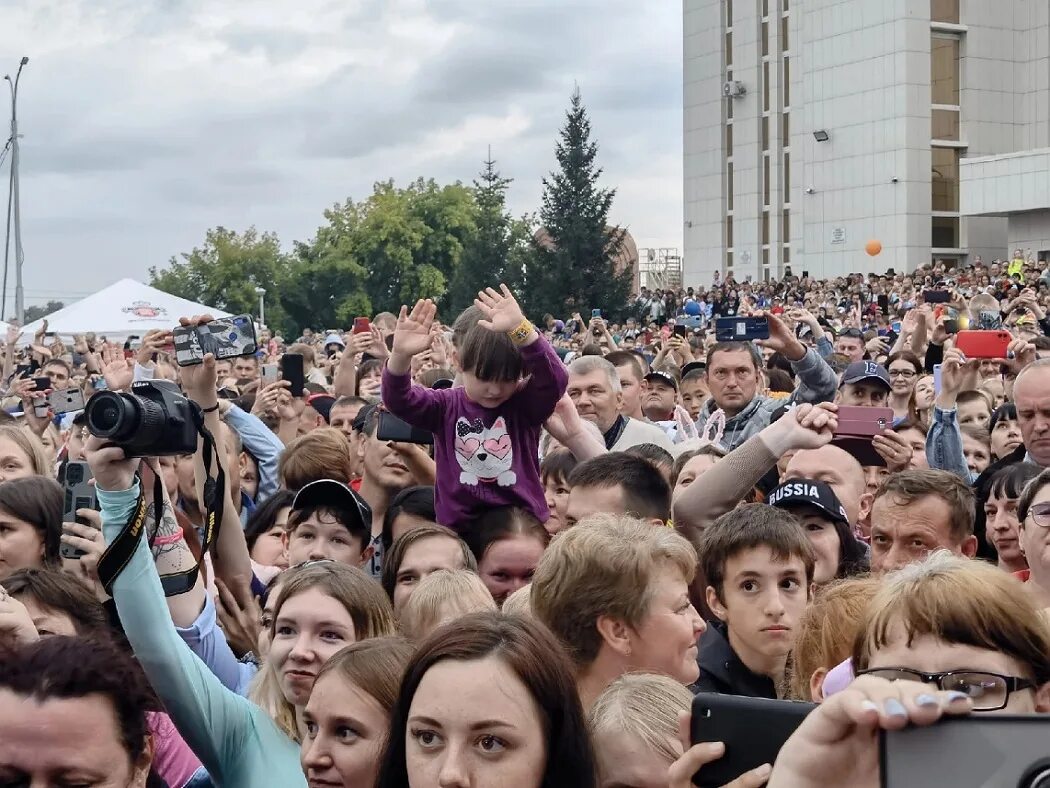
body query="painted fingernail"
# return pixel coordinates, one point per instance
(894, 708)
(955, 697)
(925, 700)
(868, 705)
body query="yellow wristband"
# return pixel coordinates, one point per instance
(521, 333)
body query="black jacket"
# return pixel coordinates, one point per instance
(722, 671)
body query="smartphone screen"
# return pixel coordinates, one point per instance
(292, 371)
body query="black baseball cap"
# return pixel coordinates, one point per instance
(866, 370)
(337, 496)
(808, 492)
(700, 365)
(663, 377)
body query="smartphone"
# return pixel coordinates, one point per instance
(977, 751)
(680, 330)
(362, 325)
(741, 329)
(391, 428)
(857, 426)
(66, 400)
(983, 344)
(292, 371)
(752, 729)
(951, 326)
(227, 337)
(271, 373)
(884, 304)
(936, 379)
(74, 476)
(42, 384)
(24, 370)
(596, 313)
(936, 296)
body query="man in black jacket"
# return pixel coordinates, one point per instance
(759, 568)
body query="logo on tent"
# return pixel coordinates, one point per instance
(145, 309)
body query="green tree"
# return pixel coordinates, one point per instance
(495, 252)
(36, 312)
(572, 266)
(225, 270)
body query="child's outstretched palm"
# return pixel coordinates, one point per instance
(412, 334)
(501, 310)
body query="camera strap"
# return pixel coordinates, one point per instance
(122, 548)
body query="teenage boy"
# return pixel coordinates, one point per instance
(328, 521)
(759, 568)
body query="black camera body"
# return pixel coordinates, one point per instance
(154, 419)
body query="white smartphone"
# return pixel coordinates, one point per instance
(270, 374)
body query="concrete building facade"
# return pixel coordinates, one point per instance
(813, 126)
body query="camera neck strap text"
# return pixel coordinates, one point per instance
(122, 548)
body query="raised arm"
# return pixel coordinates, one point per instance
(726, 484)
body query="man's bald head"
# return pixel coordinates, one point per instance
(837, 468)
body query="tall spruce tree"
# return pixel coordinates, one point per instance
(572, 266)
(493, 255)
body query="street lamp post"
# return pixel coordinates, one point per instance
(14, 197)
(261, 292)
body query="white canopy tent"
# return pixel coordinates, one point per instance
(125, 308)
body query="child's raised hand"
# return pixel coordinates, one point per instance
(412, 334)
(501, 309)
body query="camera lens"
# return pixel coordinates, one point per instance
(111, 415)
(1037, 775)
(74, 474)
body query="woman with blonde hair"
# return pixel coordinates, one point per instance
(442, 597)
(615, 590)
(519, 603)
(356, 689)
(825, 633)
(21, 454)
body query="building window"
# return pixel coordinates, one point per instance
(785, 6)
(729, 139)
(765, 8)
(785, 130)
(785, 44)
(945, 180)
(765, 179)
(786, 254)
(945, 124)
(945, 233)
(944, 69)
(729, 185)
(765, 85)
(765, 38)
(729, 262)
(765, 228)
(944, 11)
(729, 13)
(786, 229)
(729, 232)
(765, 132)
(729, 47)
(765, 261)
(785, 176)
(785, 85)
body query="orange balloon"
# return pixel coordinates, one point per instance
(873, 247)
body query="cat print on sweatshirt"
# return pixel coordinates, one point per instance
(484, 455)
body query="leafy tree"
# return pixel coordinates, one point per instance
(572, 264)
(495, 252)
(36, 312)
(226, 269)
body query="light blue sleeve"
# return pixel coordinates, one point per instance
(824, 346)
(262, 444)
(944, 449)
(208, 642)
(214, 721)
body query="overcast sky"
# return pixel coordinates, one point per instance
(145, 122)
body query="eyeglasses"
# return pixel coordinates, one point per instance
(902, 373)
(1040, 513)
(988, 691)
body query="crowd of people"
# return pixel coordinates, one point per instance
(478, 550)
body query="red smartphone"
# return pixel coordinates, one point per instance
(362, 325)
(983, 344)
(863, 422)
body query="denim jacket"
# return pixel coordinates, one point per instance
(944, 449)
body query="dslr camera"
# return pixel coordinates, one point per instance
(154, 420)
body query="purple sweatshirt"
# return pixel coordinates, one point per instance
(485, 456)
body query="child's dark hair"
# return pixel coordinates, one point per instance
(418, 501)
(265, 516)
(490, 355)
(749, 526)
(557, 465)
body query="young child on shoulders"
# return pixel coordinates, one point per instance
(486, 433)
